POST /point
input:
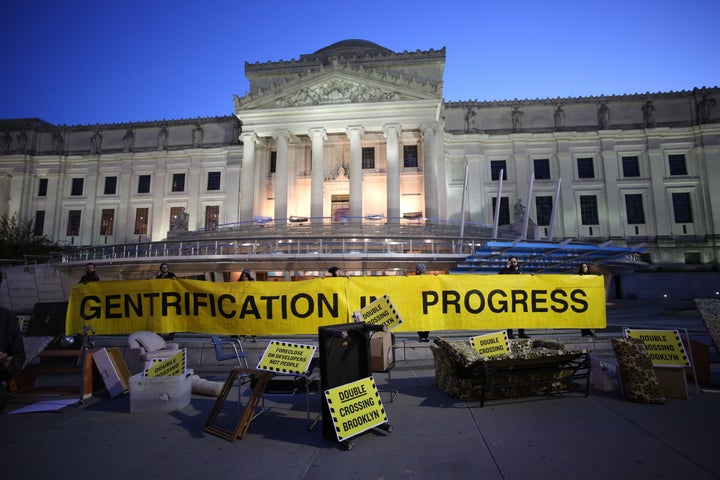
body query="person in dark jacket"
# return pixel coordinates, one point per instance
(584, 269)
(90, 274)
(164, 272)
(512, 267)
(12, 353)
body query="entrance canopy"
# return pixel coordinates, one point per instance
(549, 257)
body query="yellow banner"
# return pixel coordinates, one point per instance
(425, 302)
(355, 407)
(664, 346)
(491, 345)
(284, 357)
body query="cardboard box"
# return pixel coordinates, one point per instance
(113, 370)
(160, 394)
(672, 381)
(382, 355)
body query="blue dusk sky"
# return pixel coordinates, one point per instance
(81, 62)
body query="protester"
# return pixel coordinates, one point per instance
(90, 274)
(512, 267)
(12, 353)
(421, 269)
(336, 272)
(584, 269)
(164, 272)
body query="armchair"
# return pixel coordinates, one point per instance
(144, 346)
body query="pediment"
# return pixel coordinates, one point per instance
(335, 88)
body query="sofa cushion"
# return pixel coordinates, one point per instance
(639, 381)
(150, 341)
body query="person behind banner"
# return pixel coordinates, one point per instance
(90, 274)
(336, 272)
(246, 276)
(12, 353)
(584, 269)
(424, 336)
(164, 272)
(512, 267)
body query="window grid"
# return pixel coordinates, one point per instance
(73, 226)
(213, 182)
(634, 209)
(504, 213)
(588, 210)
(543, 209)
(410, 156)
(141, 221)
(42, 187)
(541, 168)
(682, 207)
(39, 226)
(631, 166)
(368, 158)
(178, 182)
(677, 164)
(495, 167)
(77, 187)
(144, 184)
(212, 217)
(110, 186)
(585, 167)
(107, 221)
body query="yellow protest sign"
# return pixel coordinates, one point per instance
(355, 407)
(284, 357)
(491, 345)
(170, 367)
(664, 346)
(380, 312)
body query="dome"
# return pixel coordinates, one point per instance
(350, 48)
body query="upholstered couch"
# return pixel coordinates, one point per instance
(144, 346)
(533, 367)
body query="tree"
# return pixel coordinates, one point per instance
(18, 239)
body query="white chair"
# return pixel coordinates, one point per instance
(144, 346)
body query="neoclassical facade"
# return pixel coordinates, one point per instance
(356, 131)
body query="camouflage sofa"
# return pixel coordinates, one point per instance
(533, 367)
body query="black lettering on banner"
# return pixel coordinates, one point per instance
(501, 306)
(324, 303)
(579, 297)
(187, 304)
(560, 305)
(221, 300)
(519, 297)
(451, 297)
(198, 302)
(111, 303)
(170, 299)
(90, 311)
(249, 308)
(366, 301)
(269, 300)
(309, 306)
(428, 300)
(539, 297)
(135, 306)
(481, 301)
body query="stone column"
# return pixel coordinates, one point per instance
(355, 135)
(317, 178)
(247, 177)
(281, 174)
(392, 134)
(430, 173)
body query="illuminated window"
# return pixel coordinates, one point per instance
(141, 221)
(73, 225)
(178, 182)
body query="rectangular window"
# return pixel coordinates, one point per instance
(631, 166)
(588, 210)
(677, 165)
(213, 181)
(682, 207)
(410, 156)
(175, 212)
(634, 208)
(42, 187)
(543, 209)
(504, 210)
(212, 217)
(143, 184)
(77, 186)
(496, 166)
(585, 167)
(110, 186)
(542, 169)
(107, 221)
(273, 163)
(141, 221)
(368, 158)
(73, 225)
(178, 182)
(39, 226)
